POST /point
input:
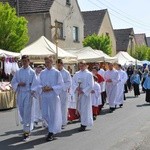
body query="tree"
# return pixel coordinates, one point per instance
(102, 42)
(140, 52)
(148, 54)
(13, 29)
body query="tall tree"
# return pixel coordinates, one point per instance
(140, 52)
(102, 42)
(13, 29)
(148, 54)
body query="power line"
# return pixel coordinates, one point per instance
(116, 16)
(127, 14)
(118, 12)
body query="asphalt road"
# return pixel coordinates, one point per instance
(127, 128)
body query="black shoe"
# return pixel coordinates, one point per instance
(82, 128)
(26, 136)
(94, 117)
(111, 109)
(63, 127)
(50, 137)
(120, 105)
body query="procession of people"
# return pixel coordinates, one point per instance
(54, 97)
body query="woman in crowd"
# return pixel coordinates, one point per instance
(144, 75)
(146, 86)
(129, 73)
(135, 81)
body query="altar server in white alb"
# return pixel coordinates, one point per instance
(51, 83)
(65, 91)
(36, 102)
(96, 97)
(83, 83)
(112, 78)
(21, 84)
(122, 80)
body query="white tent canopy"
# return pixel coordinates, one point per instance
(146, 62)
(87, 54)
(107, 58)
(43, 47)
(125, 59)
(90, 55)
(4, 53)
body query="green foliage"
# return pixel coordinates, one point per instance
(141, 52)
(148, 54)
(102, 42)
(13, 29)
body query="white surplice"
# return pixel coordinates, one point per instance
(112, 87)
(71, 98)
(84, 100)
(96, 97)
(51, 104)
(64, 94)
(24, 97)
(36, 113)
(122, 80)
(102, 84)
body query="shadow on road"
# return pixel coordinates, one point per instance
(105, 111)
(68, 132)
(147, 104)
(11, 132)
(129, 97)
(16, 143)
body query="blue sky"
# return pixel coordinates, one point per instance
(123, 13)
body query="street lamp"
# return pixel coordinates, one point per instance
(131, 40)
(56, 26)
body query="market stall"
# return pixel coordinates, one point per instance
(87, 54)
(7, 96)
(43, 47)
(125, 59)
(8, 66)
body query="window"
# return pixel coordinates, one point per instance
(60, 30)
(68, 2)
(107, 34)
(75, 34)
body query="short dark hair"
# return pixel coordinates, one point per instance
(82, 62)
(48, 57)
(25, 57)
(59, 61)
(40, 66)
(96, 68)
(119, 65)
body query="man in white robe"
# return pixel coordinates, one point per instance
(21, 84)
(36, 102)
(51, 83)
(103, 85)
(112, 78)
(65, 91)
(122, 80)
(83, 83)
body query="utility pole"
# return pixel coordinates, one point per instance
(56, 27)
(17, 7)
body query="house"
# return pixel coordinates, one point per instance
(125, 40)
(69, 17)
(99, 22)
(148, 41)
(42, 14)
(140, 39)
